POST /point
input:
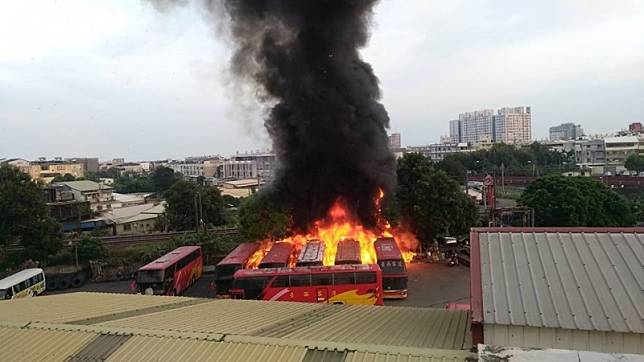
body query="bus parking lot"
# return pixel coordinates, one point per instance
(430, 285)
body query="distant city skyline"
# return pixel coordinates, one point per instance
(140, 84)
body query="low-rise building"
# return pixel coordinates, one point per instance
(567, 288)
(438, 151)
(98, 195)
(239, 170)
(590, 153)
(188, 169)
(136, 219)
(265, 164)
(619, 148)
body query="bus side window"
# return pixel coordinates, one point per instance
(365, 277)
(344, 278)
(169, 272)
(301, 280)
(281, 281)
(322, 279)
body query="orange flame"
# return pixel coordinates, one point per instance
(341, 224)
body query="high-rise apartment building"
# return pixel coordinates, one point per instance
(508, 125)
(394, 141)
(566, 131)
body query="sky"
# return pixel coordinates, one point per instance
(120, 79)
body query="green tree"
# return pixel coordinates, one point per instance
(261, 218)
(575, 201)
(24, 216)
(90, 248)
(186, 199)
(133, 183)
(163, 178)
(635, 162)
(429, 202)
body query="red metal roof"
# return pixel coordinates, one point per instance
(311, 269)
(348, 252)
(240, 254)
(387, 249)
(279, 253)
(170, 258)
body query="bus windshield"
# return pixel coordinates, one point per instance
(5, 294)
(149, 276)
(392, 266)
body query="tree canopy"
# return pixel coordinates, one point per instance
(64, 178)
(181, 209)
(533, 159)
(429, 202)
(24, 216)
(635, 162)
(260, 218)
(575, 201)
(163, 178)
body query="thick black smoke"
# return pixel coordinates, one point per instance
(327, 126)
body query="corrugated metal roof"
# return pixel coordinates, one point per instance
(141, 348)
(40, 345)
(576, 280)
(397, 357)
(220, 316)
(78, 306)
(392, 326)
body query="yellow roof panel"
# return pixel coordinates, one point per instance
(141, 348)
(65, 308)
(40, 345)
(219, 316)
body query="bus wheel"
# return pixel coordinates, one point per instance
(172, 293)
(79, 279)
(64, 283)
(52, 284)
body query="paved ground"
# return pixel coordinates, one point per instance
(430, 285)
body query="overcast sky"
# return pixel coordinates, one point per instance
(119, 79)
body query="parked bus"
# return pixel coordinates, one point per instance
(278, 256)
(172, 273)
(312, 254)
(392, 264)
(348, 252)
(25, 283)
(337, 284)
(237, 259)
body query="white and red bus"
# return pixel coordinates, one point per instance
(337, 284)
(312, 254)
(348, 252)
(172, 273)
(394, 271)
(226, 268)
(278, 257)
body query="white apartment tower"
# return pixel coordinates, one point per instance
(508, 125)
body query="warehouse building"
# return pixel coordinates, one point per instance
(564, 288)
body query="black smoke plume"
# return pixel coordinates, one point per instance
(326, 123)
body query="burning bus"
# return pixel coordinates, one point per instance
(226, 268)
(348, 252)
(392, 265)
(278, 257)
(338, 284)
(312, 254)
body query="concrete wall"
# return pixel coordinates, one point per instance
(576, 339)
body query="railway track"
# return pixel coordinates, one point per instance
(145, 239)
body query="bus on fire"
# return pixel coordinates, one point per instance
(392, 264)
(338, 284)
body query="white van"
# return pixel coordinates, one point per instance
(25, 283)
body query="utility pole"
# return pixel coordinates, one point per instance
(503, 177)
(196, 213)
(200, 210)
